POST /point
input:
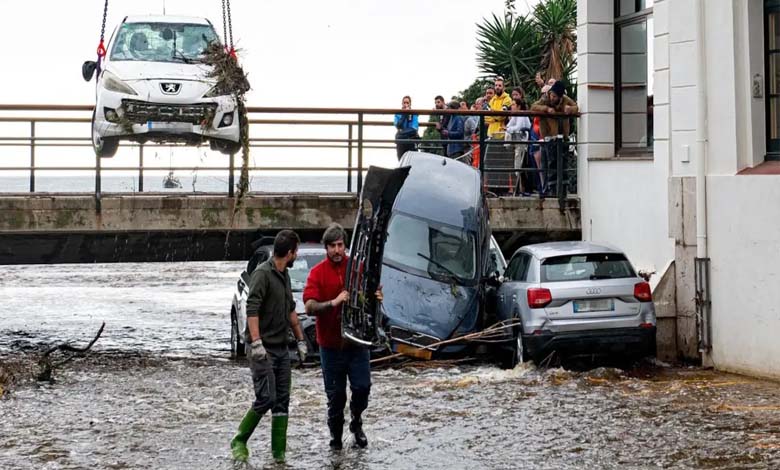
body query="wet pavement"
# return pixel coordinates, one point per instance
(159, 392)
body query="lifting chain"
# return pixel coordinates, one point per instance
(227, 26)
(101, 49)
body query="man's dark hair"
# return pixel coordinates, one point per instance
(559, 88)
(438, 97)
(334, 233)
(285, 242)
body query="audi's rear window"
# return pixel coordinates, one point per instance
(586, 267)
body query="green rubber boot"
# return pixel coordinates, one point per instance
(279, 437)
(245, 430)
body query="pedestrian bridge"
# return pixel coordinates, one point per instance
(137, 225)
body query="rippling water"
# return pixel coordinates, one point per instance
(159, 392)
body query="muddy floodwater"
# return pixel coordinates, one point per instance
(159, 392)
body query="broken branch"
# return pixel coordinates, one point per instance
(489, 334)
(46, 364)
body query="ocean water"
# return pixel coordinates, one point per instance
(305, 182)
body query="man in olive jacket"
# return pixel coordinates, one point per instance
(270, 311)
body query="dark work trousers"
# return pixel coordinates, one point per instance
(550, 167)
(271, 378)
(402, 148)
(337, 366)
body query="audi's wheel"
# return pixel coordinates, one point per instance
(515, 354)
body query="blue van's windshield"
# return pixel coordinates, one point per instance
(440, 251)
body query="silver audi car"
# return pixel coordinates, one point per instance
(574, 298)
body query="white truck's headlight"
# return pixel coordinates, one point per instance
(213, 93)
(113, 83)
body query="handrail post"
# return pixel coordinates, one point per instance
(141, 168)
(482, 149)
(349, 161)
(231, 177)
(32, 156)
(360, 154)
(98, 184)
(559, 173)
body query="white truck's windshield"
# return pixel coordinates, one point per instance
(162, 42)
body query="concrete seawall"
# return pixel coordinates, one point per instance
(165, 227)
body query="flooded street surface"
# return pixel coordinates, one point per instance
(159, 392)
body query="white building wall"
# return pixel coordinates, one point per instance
(620, 196)
(744, 248)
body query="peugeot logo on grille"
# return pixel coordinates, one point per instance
(593, 291)
(170, 88)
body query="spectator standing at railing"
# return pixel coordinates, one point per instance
(518, 129)
(454, 131)
(556, 101)
(407, 125)
(434, 132)
(471, 123)
(501, 101)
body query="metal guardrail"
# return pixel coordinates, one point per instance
(484, 152)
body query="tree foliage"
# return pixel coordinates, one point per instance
(517, 47)
(475, 90)
(509, 47)
(556, 23)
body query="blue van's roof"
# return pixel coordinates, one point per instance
(441, 190)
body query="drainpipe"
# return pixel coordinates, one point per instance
(702, 262)
(701, 138)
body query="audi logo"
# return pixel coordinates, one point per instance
(593, 291)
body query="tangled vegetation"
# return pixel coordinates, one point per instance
(232, 80)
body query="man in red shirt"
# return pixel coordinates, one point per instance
(323, 295)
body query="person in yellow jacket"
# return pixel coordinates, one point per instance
(500, 102)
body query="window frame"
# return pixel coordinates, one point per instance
(523, 259)
(772, 151)
(619, 22)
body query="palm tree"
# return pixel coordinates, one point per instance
(556, 23)
(517, 47)
(509, 46)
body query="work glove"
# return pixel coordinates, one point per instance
(302, 350)
(257, 350)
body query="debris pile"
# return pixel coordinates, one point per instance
(232, 80)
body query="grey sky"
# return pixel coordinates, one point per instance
(331, 53)
(312, 53)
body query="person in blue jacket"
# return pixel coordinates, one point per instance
(454, 131)
(407, 126)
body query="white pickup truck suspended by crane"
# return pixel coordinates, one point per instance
(152, 85)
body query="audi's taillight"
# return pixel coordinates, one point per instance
(642, 292)
(538, 297)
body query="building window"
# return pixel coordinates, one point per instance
(772, 61)
(633, 77)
